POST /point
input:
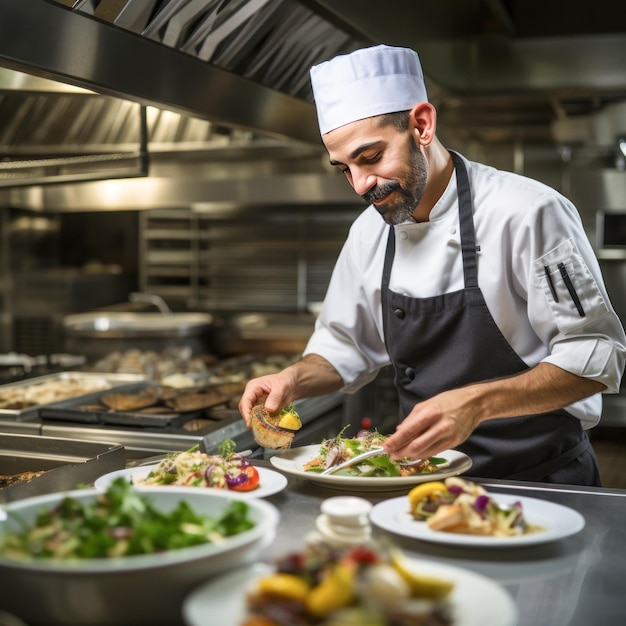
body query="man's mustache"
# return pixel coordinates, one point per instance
(378, 192)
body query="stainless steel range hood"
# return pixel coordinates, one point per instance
(83, 49)
(498, 70)
(211, 71)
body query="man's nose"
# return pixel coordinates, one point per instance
(363, 182)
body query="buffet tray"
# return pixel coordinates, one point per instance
(89, 410)
(112, 380)
(58, 464)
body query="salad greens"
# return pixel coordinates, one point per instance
(227, 470)
(338, 449)
(120, 522)
(225, 449)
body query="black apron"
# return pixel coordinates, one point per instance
(451, 340)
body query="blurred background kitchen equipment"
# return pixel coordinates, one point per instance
(32, 465)
(96, 334)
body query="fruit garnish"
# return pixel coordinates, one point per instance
(285, 585)
(421, 585)
(417, 494)
(289, 419)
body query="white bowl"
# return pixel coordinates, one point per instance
(142, 589)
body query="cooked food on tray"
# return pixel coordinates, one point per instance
(340, 449)
(45, 392)
(353, 585)
(461, 506)
(196, 401)
(274, 430)
(129, 401)
(177, 367)
(119, 522)
(164, 397)
(226, 470)
(20, 477)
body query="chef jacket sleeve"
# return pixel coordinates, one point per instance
(568, 304)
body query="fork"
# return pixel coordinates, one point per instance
(367, 455)
(355, 459)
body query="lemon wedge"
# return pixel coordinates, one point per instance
(417, 494)
(284, 585)
(421, 586)
(290, 421)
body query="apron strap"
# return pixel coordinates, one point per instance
(384, 292)
(468, 236)
(466, 221)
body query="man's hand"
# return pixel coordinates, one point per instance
(310, 376)
(276, 390)
(449, 418)
(439, 423)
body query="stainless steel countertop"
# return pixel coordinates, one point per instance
(577, 581)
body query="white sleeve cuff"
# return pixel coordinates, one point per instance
(593, 358)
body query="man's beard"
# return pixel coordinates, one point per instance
(400, 209)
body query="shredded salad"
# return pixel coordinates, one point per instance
(226, 470)
(339, 449)
(120, 522)
(460, 506)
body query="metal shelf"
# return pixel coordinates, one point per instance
(255, 258)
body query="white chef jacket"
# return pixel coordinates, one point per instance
(522, 226)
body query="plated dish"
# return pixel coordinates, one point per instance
(557, 520)
(475, 599)
(270, 482)
(292, 462)
(133, 589)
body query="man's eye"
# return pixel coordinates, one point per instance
(373, 158)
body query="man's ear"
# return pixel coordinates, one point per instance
(423, 123)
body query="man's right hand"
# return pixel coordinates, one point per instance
(273, 390)
(309, 377)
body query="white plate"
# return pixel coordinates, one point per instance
(293, 460)
(270, 482)
(559, 522)
(476, 600)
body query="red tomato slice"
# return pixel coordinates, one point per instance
(251, 483)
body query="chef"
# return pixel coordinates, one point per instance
(480, 286)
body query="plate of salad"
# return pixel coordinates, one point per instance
(377, 473)
(194, 469)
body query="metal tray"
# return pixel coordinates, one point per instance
(71, 410)
(66, 463)
(119, 418)
(114, 380)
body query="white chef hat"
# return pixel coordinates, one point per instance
(367, 82)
